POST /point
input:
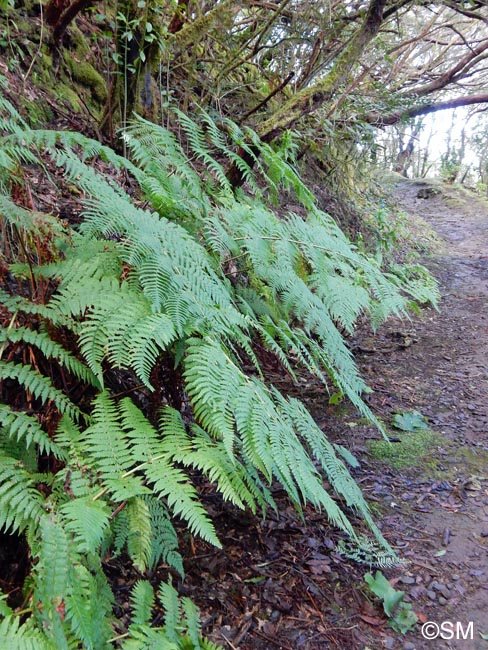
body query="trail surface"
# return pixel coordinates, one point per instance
(443, 373)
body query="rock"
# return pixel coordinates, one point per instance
(389, 643)
(416, 592)
(427, 192)
(431, 594)
(407, 580)
(442, 600)
(409, 646)
(476, 573)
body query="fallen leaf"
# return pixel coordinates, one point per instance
(372, 620)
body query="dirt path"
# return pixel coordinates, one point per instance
(444, 374)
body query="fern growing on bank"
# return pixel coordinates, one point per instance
(199, 275)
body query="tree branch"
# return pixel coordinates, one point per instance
(445, 78)
(393, 118)
(310, 99)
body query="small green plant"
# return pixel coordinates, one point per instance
(406, 449)
(400, 615)
(410, 421)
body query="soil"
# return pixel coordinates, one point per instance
(280, 583)
(444, 375)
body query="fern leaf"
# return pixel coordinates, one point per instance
(26, 428)
(51, 350)
(139, 543)
(21, 504)
(52, 580)
(168, 597)
(164, 539)
(40, 387)
(87, 520)
(142, 598)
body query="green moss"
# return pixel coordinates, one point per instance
(68, 94)
(39, 112)
(86, 75)
(413, 449)
(79, 42)
(44, 69)
(25, 27)
(476, 459)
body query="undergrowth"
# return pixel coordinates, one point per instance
(131, 364)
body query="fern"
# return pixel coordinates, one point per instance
(40, 387)
(181, 630)
(199, 274)
(20, 426)
(51, 350)
(87, 520)
(139, 533)
(21, 504)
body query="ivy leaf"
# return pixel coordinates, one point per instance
(380, 586)
(402, 618)
(409, 421)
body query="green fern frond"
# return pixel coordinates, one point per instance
(139, 538)
(51, 350)
(87, 520)
(164, 539)
(52, 580)
(17, 636)
(21, 426)
(21, 503)
(201, 452)
(110, 450)
(40, 387)
(168, 597)
(142, 599)
(88, 607)
(18, 303)
(120, 532)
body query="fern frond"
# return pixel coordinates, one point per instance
(142, 599)
(88, 607)
(15, 636)
(201, 452)
(139, 542)
(110, 451)
(52, 580)
(168, 597)
(87, 520)
(164, 539)
(51, 350)
(21, 503)
(40, 387)
(21, 426)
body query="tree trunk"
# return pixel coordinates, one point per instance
(404, 157)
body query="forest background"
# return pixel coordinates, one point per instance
(189, 197)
